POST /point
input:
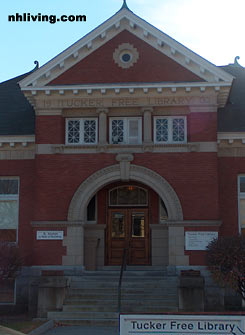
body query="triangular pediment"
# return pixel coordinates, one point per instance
(105, 66)
(126, 27)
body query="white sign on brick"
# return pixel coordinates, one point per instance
(182, 324)
(199, 240)
(50, 235)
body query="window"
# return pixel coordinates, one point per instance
(126, 130)
(241, 203)
(9, 208)
(91, 209)
(128, 196)
(81, 131)
(169, 129)
(163, 211)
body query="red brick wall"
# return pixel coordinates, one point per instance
(50, 129)
(202, 127)
(58, 177)
(47, 252)
(193, 176)
(99, 67)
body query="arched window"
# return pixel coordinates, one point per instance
(129, 195)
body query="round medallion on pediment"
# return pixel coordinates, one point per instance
(125, 55)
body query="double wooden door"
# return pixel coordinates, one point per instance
(128, 228)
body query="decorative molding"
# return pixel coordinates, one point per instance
(114, 100)
(231, 152)
(81, 198)
(17, 154)
(17, 139)
(130, 50)
(124, 157)
(191, 223)
(231, 135)
(49, 149)
(124, 161)
(56, 223)
(111, 28)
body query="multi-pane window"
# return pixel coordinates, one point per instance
(169, 129)
(128, 196)
(241, 203)
(9, 208)
(125, 130)
(81, 131)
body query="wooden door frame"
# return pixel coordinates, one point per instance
(128, 229)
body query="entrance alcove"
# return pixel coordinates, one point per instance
(163, 206)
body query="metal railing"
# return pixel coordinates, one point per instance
(119, 290)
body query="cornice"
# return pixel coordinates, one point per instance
(101, 92)
(125, 19)
(12, 140)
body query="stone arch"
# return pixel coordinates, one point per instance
(79, 202)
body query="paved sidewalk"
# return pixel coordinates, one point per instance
(82, 330)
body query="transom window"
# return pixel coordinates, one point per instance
(169, 129)
(9, 208)
(126, 130)
(81, 131)
(128, 196)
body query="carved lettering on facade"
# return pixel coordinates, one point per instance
(124, 102)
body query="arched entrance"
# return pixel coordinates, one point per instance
(78, 206)
(135, 219)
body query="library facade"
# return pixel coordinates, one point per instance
(127, 140)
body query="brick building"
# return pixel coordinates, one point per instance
(127, 139)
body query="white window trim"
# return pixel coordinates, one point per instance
(15, 197)
(241, 195)
(170, 129)
(126, 129)
(81, 130)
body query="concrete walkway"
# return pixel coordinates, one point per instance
(82, 330)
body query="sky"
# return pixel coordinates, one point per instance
(214, 29)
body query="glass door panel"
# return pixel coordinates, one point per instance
(118, 225)
(138, 224)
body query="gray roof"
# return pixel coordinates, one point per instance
(17, 117)
(231, 118)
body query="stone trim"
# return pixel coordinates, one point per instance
(49, 149)
(127, 48)
(56, 223)
(231, 152)
(191, 223)
(94, 226)
(16, 154)
(78, 205)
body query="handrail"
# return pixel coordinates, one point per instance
(123, 266)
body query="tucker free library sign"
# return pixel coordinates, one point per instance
(182, 324)
(124, 102)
